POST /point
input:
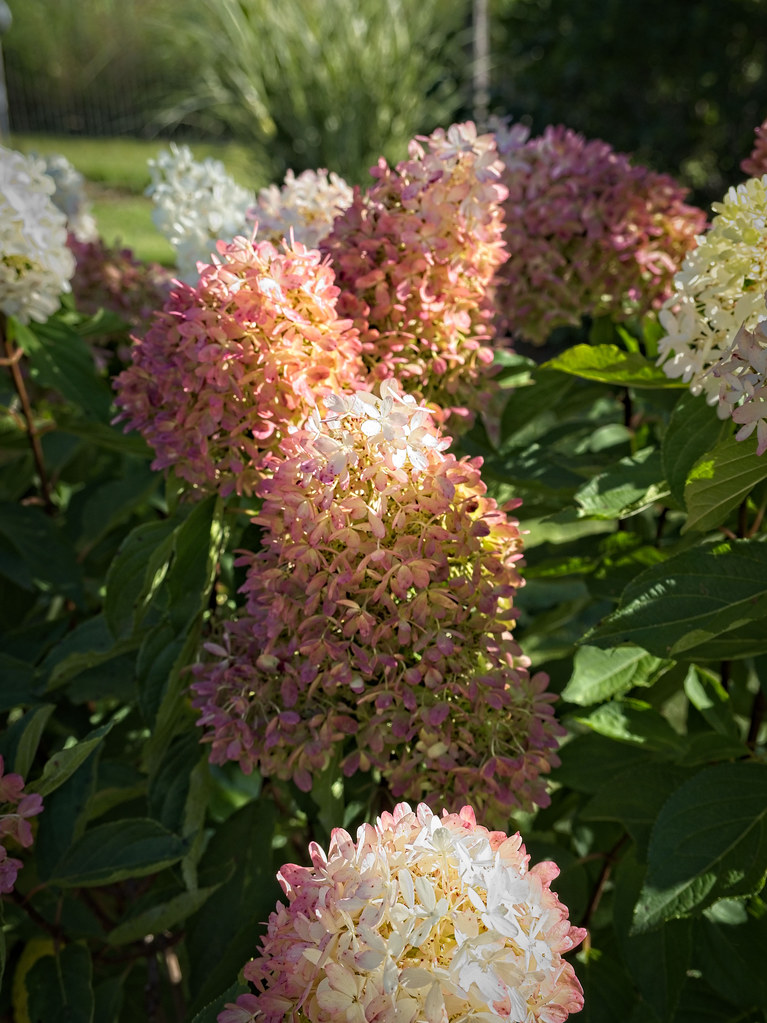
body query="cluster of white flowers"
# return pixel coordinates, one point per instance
(742, 375)
(719, 290)
(69, 197)
(392, 425)
(424, 918)
(35, 264)
(196, 205)
(307, 205)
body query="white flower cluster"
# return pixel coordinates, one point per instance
(307, 205)
(719, 289)
(196, 205)
(399, 430)
(742, 373)
(424, 918)
(69, 197)
(35, 264)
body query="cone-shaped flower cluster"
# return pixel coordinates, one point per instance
(377, 621)
(305, 206)
(588, 234)
(756, 164)
(35, 263)
(423, 918)
(415, 257)
(719, 289)
(69, 197)
(16, 807)
(232, 364)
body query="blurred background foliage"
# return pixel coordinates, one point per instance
(310, 83)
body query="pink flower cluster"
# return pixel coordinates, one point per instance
(16, 807)
(415, 257)
(423, 918)
(588, 234)
(230, 365)
(756, 164)
(110, 278)
(377, 623)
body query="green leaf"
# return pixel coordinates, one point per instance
(112, 852)
(64, 817)
(586, 760)
(160, 918)
(610, 364)
(59, 987)
(61, 360)
(693, 429)
(135, 574)
(30, 738)
(732, 959)
(42, 557)
(706, 693)
(197, 544)
(601, 674)
(720, 481)
(676, 607)
(608, 994)
(709, 843)
(527, 403)
(658, 961)
(635, 722)
(104, 436)
(635, 483)
(17, 682)
(64, 763)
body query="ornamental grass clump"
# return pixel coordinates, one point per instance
(588, 234)
(231, 365)
(719, 290)
(377, 628)
(423, 918)
(415, 256)
(35, 264)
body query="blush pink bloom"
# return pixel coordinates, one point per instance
(16, 807)
(415, 257)
(588, 234)
(233, 364)
(756, 164)
(378, 621)
(423, 918)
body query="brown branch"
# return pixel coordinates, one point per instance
(11, 360)
(604, 876)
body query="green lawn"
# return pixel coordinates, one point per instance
(117, 174)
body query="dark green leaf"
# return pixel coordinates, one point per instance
(635, 722)
(64, 763)
(120, 849)
(693, 429)
(674, 608)
(160, 918)
(29, 740)
(61, 360)
(17, 682)
(720, 481)
(587, 760)
(59, 987)
(134, 575)
(626, 489)
(609, 364)
(732, 959)
(43, 557)
(64, 815)
(709, 842)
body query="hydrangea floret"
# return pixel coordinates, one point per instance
(16, 807)
(588, 233)
(755, 165)
(719, 290)
(69, 196)
(377, 628)
(304, 207)
(415, 256)
(742, 376)
(422, 918)
(231, 365)
(35, 264)
(196, 204)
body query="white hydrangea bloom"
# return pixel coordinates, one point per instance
(196, 205)
(742, 378)
(423, 918)
(35, 264)
(719, 289)
(69, 197)
(307, 205)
